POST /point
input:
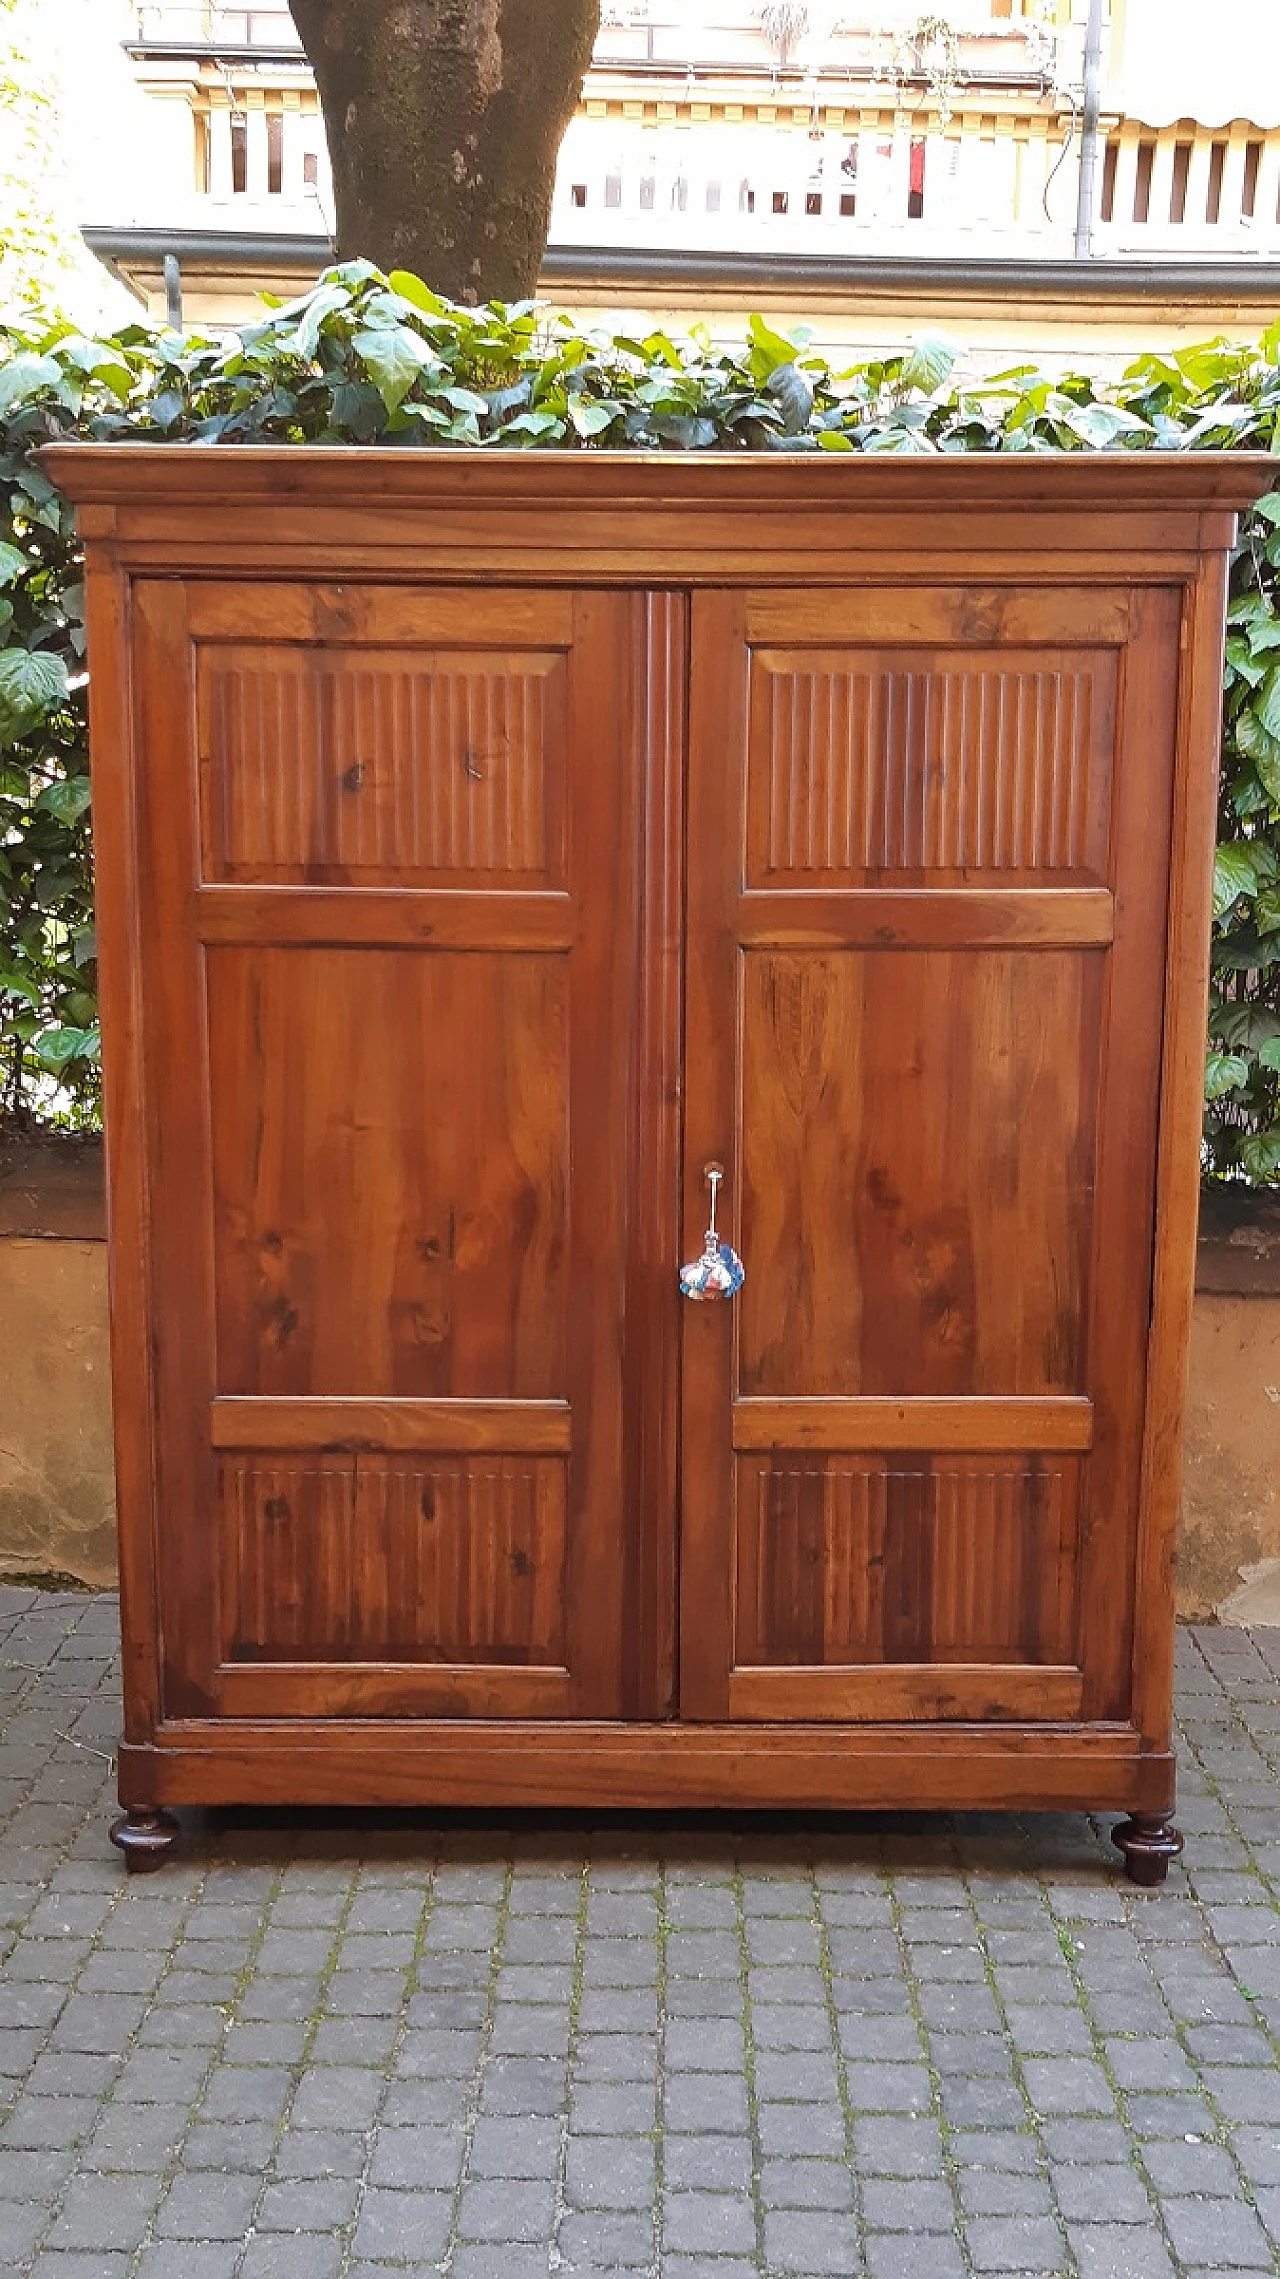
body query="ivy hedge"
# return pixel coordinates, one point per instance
(372, 359)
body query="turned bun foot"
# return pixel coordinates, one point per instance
(146, 1838)
(1149, 1841)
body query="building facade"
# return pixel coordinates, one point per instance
(871, 168)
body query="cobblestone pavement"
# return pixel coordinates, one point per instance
(910, 2048)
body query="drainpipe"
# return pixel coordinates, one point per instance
(173, 292)
(1089, 131)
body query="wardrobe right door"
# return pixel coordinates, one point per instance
(928, 871)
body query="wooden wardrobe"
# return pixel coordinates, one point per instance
(489, 847)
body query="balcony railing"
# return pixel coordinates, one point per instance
(164, 24)
(804, 180)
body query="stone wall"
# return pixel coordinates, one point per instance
(56, 1507)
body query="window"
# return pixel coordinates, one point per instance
(746, 199)
(680, 195)
(713, 197)
(646, 193)
(848, 202)
(781, 201)
(1142, 182)
(613, 189)
(578, 194)
(1109, 180)
(275, 154)
(311, 169)
(813, 201)
(1217, 161)
(239, 154)
(201, 123)
(915, 180)
(1249, 186)
(1178, 187)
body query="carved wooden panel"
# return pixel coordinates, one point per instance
(369, 1558)
(866, 763)
(964, 1559)
(390, 1164)
(911, 1121)
(326, 766)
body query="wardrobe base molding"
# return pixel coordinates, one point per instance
(599, 1767)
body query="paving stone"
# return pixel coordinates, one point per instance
(805, 2183)
(811, 2241)
(891, 2256)
(710, 2101)
(402, 2225)
(185, 2259)
(207, 2206)
(1016, 2151)
(1226, 2235)
(610, 2172)
(320, 2153)
(319, 2204)
(495, 2209)
(708, 2223)
(802, 2129)
(104, 2213)
(1015, 2243)
(1067, 2085)
(599, 2243)
(1102, 2195)
(1119, 2251)
(895, 2204)
(312, 2257)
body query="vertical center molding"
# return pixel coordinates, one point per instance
(657, 713)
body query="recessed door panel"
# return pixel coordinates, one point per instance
(925, 954)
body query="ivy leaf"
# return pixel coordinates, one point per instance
(1269, 1054)
(1240, 659)
(325, 301)
(769, 349)
(1266, 911)
(67, 801)
(55, 1047)
(685, 430)
(1099, 425)
(591, 419)
(1223, 1071)
(794, 396)
(1267, 703)
(411, 288)
(393, 357)
(1260, 1156)
(12, 562)
(33, 683)
(929, 364)
(25, 376)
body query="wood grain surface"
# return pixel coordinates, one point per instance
(472, 875)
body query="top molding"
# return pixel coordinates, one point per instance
(192, 474)
(631, 518)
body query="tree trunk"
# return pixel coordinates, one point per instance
(444, 120)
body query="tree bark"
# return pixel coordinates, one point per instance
(444, 120)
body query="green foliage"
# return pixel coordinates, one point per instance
(50, 385)
(371, 359)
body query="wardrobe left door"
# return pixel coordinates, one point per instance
(386, 866)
